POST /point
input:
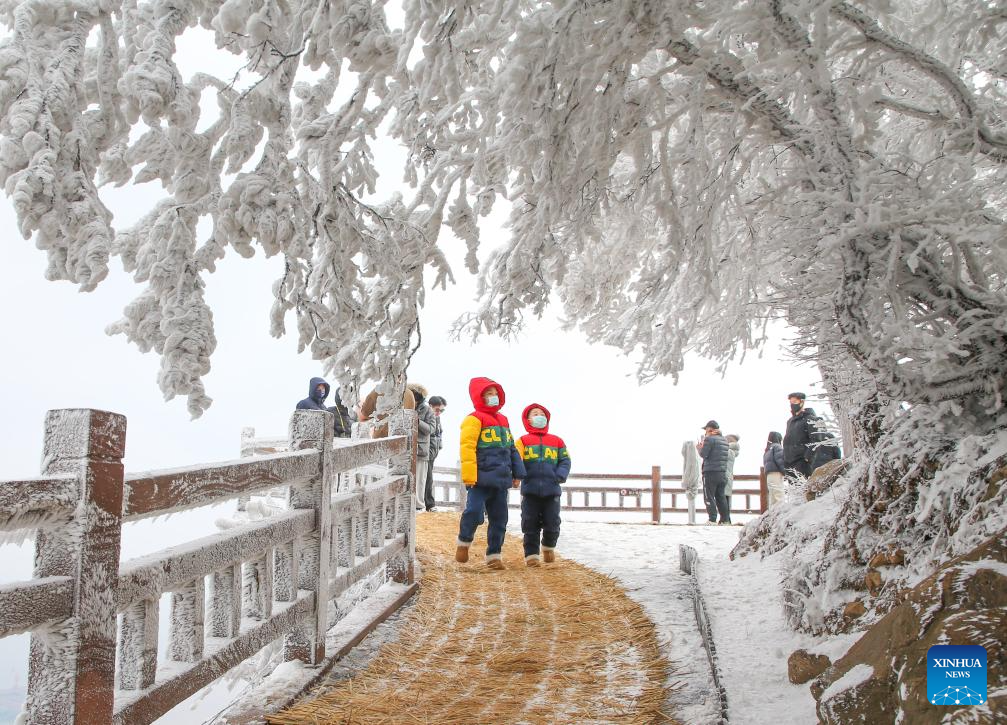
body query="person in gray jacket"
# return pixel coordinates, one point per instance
(437, 405)
(713, 449)
(426, 421)
(733, 449)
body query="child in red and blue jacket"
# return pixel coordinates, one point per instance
(491, 465)
(547, 464)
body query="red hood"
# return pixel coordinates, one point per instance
(476, 388)
(527, 425)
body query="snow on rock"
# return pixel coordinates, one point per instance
(856, 676)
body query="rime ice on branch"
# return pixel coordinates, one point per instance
(679, 174)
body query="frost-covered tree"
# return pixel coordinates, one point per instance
(679, 173)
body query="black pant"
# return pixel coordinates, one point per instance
(715, 496)
(428, 492)
(539, 518)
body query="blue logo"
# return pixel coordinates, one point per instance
(956, 674)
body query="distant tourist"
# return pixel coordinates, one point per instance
(437, 405)
(426, 422)
(732, 454)
(807, 444)
(773, 462)
(713, 449)
(547, 465)
(490, 465)
(342, 426)
(318, 391)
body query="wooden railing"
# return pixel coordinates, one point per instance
(640, 492)
(268, 579)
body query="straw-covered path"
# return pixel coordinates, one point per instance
(558, 644)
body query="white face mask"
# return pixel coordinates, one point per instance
(492, 401)
(538, 421)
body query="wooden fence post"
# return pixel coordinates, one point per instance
(71, 666)
(763, 491)
(655, 494)
(312, 429)
(405, 422)
(247, 449)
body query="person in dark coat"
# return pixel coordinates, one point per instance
(318, 391)
(806, 444)
(713, 450)
(342, 427)
(774, 464)
(437, 405)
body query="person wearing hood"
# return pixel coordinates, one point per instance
(547, 465)
(490, 465)
(318, 391)
(803, 440)
(426, 422)
(773, 462)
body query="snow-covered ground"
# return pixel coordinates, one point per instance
(744, 604)
(742, 596)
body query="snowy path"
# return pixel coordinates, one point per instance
(753, 641)
(558, 644)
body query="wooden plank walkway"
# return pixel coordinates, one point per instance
(561, 643)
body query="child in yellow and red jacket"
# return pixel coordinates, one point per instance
(547, 464)
(491, 465)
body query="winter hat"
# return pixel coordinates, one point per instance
(712, 424)
(775, 437)
(802, 396)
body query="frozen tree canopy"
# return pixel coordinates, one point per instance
(679, 172)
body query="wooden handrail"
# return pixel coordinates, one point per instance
(25, 606)
(34, 502)
(269, 578)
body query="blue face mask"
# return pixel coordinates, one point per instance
(492, 401)
(538, 421)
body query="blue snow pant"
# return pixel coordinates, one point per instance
(494, 501)
(715, 495)
(539, 518)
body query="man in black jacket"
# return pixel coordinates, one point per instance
(805, 445)
(713, 450)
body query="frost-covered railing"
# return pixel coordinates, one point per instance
(265, 579)
(630, 497)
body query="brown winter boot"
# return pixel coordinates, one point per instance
(462, 553)
(548, 555)
(495, 562)
(532, 560)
